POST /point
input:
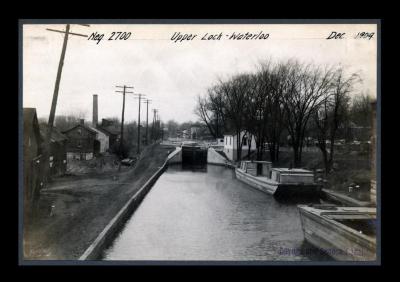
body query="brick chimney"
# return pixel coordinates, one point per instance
(95, 111)
(82, 121)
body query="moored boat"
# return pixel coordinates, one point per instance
(344, 233)
(277, 181)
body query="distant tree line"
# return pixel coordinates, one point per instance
(289, 97)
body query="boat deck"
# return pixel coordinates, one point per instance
(350, 231)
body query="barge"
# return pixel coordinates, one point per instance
(277, 181)
(344, 233)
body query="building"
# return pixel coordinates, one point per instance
(108, 133)
(82, 143)
(102, 139)
(230, 145)
(58, 151)
(32, 158)
(112, 131)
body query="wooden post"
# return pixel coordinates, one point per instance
(46, 152)
(121, 142)
(138, 148)
(124, 87)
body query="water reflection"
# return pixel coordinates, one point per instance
(210, 216)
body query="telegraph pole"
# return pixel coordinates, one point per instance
(139, 96)
(147, 120)
(155, 132)
(124, 87)
(154, 124)
(47, 141)
(58, 78)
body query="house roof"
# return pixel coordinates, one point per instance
(97, 130)
(83, 126)
(56, 135)
(111, 129)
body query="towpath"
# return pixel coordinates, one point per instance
(73, 212)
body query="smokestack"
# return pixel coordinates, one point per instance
(95, 111)
(82, 121)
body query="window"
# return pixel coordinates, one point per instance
(245, 141)
(79, 143)
(80, 131)
(230, 140)
(226, 140)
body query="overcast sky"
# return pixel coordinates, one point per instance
(172, 74)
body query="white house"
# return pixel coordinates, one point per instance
(103, 139)
(230, 145)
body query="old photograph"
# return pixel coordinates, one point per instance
(200, 142)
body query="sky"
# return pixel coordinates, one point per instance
(170, 73)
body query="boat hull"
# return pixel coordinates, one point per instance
(269, 188)
(277, 189)
(333, 238)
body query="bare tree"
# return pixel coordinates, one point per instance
(236, 92)
(306, 86)
(332, 114)
(271, 83)
(256, 116)
(204, 112)
(360, 111)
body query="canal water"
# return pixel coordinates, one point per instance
(209, 215)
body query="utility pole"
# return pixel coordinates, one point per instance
(153, 128)
(148, 101)
(49, 130)
(58, 78)
(139, 95)
(124, 87)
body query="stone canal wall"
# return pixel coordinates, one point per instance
(175, 157)
(106, 237)
(216, 159)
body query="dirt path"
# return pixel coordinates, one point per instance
(73, 212)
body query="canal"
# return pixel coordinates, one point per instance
(209, 215)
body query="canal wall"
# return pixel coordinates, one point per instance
(214, 158)
(175, 157)
(343, 199)
(107, 236)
